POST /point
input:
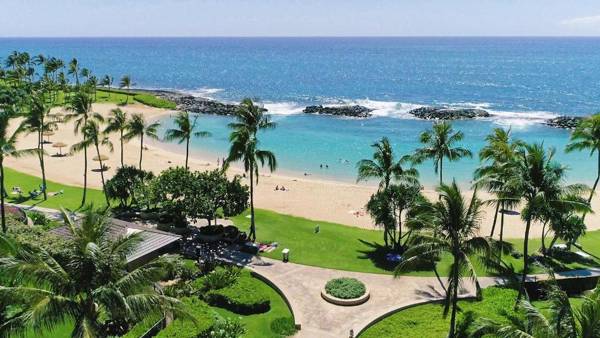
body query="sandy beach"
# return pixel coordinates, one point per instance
(306, 197)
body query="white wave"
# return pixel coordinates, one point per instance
(204, 92)
(283, 108)
(520, 119)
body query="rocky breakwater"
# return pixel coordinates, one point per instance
(446, 113)
(199, 105)
(346, 111)
(564, 122)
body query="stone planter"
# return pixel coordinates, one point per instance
(346, 302)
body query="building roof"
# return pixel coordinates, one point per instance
(152, 240)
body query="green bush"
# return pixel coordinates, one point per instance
(345, 288)
(35, 237)
(185, 328)
(283, 326)
(246, 296)
(142, 327)
(39, 218)
(228, 328)
(220, 278)
(153, 101)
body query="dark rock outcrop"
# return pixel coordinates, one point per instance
(348, 111)
(199, 105)
(564, 122)
(446, 113)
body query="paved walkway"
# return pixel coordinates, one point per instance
(302, 287)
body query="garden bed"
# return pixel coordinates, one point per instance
(345, 292)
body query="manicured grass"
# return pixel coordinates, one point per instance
(343, 247)
(70, 198)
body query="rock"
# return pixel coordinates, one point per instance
(564, 122)
(199, 105)
(446, 113)
(349, 111)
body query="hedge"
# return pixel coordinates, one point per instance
(184, 328)
(345, 288)
(246, 296)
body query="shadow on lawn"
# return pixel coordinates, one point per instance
(376, 253)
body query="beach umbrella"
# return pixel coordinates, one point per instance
(59, 145)
(101, 158)
(48, 134)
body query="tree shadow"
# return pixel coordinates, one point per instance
(376, 253)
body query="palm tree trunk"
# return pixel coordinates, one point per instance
(42, 166)
(454, 299)
(544, 238)
(252, 235)
(141, 149)
(102, 175)
(187, 151)
(121, 140)
(2, 194)
(593, 188)
(85, 169)
(502, 224)
(525, 259)
(441, 171)
(495, 219)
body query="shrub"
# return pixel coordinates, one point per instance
(228, 328)
(184, 328)
(39, 218)
(143, 326)
(283, 326)
(126, 181)
(154, 101)
(246, 296)
(34, 237)
(220, 278)
(211, 230)
(345, 288)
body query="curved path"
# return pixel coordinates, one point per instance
(302, 284)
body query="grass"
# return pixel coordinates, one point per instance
(122, 97)
(69, 199)
(341, 247)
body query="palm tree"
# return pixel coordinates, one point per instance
(107, 81)
(138, 127)
(80, 105)
(93, 137)
(452, 224)
(91, 287)
(587, 137)
(384, 166)
(439, 143)
(37, 120)
(184, 132)
(117, 122)
(539, 183)
(250, 118)
(126, 83)
(8, 149)
(74, 70)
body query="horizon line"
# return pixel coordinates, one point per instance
(286, 36)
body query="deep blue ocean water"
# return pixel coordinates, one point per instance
(522, 81)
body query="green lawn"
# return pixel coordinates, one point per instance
(70, 198)
(123, 97)
(342, 247)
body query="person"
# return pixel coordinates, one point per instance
(276, 187)
(282, 188)
(327, 166)
(321, 166)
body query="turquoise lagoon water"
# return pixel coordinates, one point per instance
(521, 81)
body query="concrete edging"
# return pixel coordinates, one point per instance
(346, 302)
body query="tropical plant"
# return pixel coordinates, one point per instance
(215, 192)
(384, 166)
(138, 127)
(93, 137)
(449, 226)
(250, 118)
(539, 184)
(126, 83)
(80, 106)
(74, 70)
(439, 143)
(125, 183)
(107, 81)
(8, 148)
(186, 128)
(117, 122)
(586, 136)
(93, 288)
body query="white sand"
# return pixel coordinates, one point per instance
(305, 197)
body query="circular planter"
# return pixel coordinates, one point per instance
(346, 302)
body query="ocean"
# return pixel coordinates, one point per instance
(521, 81)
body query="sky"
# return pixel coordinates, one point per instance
(77, 18)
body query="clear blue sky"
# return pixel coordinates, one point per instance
(298, 17)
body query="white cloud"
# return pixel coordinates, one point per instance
(584, 21)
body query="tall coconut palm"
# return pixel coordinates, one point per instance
(384, 166)
(38, 120)
(117, 122)
(186, 128)
(93, 137)
(450, 226)
(80, 106)
(587, 137)
(439, 143)
(107, 81)
(92, 287)
(8, 142)
(126, 83)
(539, 183)
(250, 118)
(138, 127)
(74, 70)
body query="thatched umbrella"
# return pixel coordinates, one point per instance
(100, 159)
(48, 134)
(59, 145)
